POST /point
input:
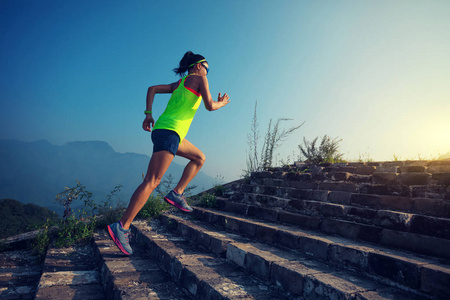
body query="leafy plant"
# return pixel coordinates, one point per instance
(208, 200)
(42, 240)
(69, 195)
(327, 151)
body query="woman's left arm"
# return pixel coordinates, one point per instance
(149, 122)
(210, 104)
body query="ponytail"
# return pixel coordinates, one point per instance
(189, 59)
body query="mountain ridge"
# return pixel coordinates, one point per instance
(34, 172)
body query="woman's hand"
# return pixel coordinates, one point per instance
(148, 123)
(224, 100)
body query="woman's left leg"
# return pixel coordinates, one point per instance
(196, 157)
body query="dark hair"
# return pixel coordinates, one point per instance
(188, 59)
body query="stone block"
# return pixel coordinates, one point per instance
(231, 206)
(435, 280)
(302, 194)
(435, 207)
(432, 226)
(266, 214)
(231, 224)
(365, 200)
(398, 269)
(266, 234)
(438, 169)
(311, 207)
(340, 176)
(442, 178)
(289, 275)
(365, 170)
(303, 185)
(236, 254)
(333, 186)
(310, 222)
(360, 214)
(339, 197)
(348, 169)
(314, 247)
(396, 202)
(415, 178)
(392, 164)
(298, 176)
(340, 227)
(360, 178)
(319, 195)
(416, 242)
(385, 178)
(394, 220)
(352, 257)
(332, 210)
(412, 169)
(256, 264)
(247, 229)
(382, 189)
(369, 233)
(329, 286)
(287, 239)
(387, 169)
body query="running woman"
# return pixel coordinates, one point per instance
(168, 138)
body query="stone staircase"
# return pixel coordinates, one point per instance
(342, 231)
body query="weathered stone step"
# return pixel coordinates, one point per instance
(427, 274)
(425, 206)
(70, 273)
(295, 272)
(20, 271)
(380, 218)
(204, 275)
(132, 277)
(332, 221)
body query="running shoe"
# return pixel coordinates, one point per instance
(177, 200)
(121, 237)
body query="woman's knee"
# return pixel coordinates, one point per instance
(200, 159)
(152, 182)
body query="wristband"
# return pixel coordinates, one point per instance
(147, 112)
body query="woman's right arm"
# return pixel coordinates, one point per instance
(149, 122)
(210, 104)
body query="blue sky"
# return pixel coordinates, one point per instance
(374, 73)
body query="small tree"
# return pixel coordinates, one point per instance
(328, 150)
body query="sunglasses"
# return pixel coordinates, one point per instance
(207, 69)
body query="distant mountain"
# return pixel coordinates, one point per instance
(445, 156)
(34, 172)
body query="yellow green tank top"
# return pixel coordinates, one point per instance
(180, 110)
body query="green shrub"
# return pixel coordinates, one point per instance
(153, 208)
(207, 200)
(327, 151)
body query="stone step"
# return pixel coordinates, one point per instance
(381, 218)
(391, 230)
(427, 274)
(132, 277)
(70, 273)
(294, 272)
(202, 274)
(20, 271)
(425, 206)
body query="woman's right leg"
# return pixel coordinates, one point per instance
(159, 163)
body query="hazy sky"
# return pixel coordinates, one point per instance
(374, 73)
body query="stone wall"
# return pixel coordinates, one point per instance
(415, 179)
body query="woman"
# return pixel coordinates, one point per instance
(168, 138)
